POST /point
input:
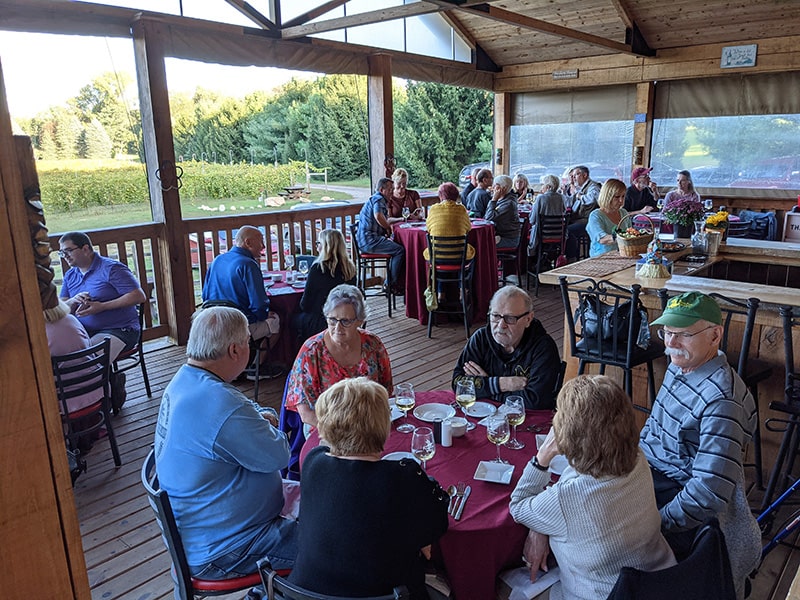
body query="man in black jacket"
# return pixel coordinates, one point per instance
(512, 355)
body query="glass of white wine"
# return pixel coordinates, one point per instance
(498, 432)
(514, 407)
(660, 204)
(303, 267)
(465, 396)
(406, 213)
(422, 444)
(404, 399)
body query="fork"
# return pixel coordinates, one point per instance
(461, 487)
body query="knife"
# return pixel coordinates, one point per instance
(462, 503)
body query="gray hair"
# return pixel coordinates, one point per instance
(346, 294)
(509, 291)
(550, 181)
(213, 330)
(503, 181)
(583, 169)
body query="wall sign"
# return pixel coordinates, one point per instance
(737, 57)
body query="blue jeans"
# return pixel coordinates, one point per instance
(508, 242)
(277, 541)
(398, 261)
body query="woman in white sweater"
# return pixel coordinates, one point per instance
(601, 515)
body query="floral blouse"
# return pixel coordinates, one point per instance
(315, 369)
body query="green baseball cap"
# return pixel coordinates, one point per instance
(685, 310)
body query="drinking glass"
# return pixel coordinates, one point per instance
(406, 213)
(465, 396)
(514, 407)
(498, 432)
(404, 399)
(708, 204)
(660, 204)
(289, 260)
(303, 267)
(422, 444)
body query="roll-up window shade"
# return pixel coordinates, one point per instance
(616, 103)
(763, 94)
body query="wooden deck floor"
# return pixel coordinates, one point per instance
(125, 556)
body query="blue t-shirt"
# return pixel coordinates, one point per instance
(219, 460)
(236, 277)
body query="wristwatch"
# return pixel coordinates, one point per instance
(535, 463)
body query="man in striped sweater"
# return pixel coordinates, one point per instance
(695, 437)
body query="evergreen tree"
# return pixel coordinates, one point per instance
(94, 141)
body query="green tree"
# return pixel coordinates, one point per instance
(107, 99)
(94, 141)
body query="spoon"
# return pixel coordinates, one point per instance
(451, 491)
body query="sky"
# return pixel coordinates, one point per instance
(43, 70)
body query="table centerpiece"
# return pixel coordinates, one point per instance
(718, 221)
(683, 212)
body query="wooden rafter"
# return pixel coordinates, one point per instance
(314, 13)
(251, 13)
(623, 13)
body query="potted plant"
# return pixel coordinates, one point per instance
(683, 212)
(718, 222)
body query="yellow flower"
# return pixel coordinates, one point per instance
(717, 219)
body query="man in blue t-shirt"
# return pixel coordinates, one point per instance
(219, 456)
(374, 231)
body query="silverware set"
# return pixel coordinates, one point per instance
(458, 498)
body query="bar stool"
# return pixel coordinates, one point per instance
(507, 255)
(369, 261)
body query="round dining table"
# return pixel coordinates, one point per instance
(485, 540)
(412, 236)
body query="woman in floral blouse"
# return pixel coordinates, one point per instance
(342, 351)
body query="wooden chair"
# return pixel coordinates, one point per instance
(449, 265)
(369, 262)
(620, 348)
(77, 374)
(128, 359)
(186, 586)
(549, 245)
(278, 588)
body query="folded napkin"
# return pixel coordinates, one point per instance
(282, 291)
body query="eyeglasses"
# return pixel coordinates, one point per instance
(63, 253)
(509, 319)
(333, 321)
(681, 335)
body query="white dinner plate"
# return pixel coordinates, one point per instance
(494, 472)
(481, 409)
(268, 283)
(559, 462)
(396, 412)
(299, 285)
(431, 412)
(400, 456)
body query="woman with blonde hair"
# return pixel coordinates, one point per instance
(601, 515)
(402, 197)
(365, 523)
(522, 187)
(603, 221)
(331, 268)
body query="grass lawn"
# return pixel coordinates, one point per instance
(129, 214)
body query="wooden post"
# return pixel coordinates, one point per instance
(502, 134)
(159, 151)
(381, 123)
(643, 125)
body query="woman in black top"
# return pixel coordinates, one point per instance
(332, 267)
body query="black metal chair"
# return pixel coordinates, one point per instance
(739, 229)
(186, 586)
(80, 373)
(448, 265)
(128, 359)
(513, 256)
(369, 262)
(614, 345)
(278, 588)
(551, 239)
(752, 371)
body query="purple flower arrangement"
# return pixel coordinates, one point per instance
(684, 211)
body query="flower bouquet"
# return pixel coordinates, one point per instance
(683, 211)
(718, 222)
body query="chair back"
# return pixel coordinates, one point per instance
(791, 324)
(354, 242)
(278, 588)
(81, 373)
(704, 575)
(448, 254)
(739, 229)
(553, 229)
(309, 258)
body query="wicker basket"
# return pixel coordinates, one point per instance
(638, 245)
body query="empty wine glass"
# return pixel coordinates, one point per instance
(708, 204)
(498, 432)
(514, 408)
(406, 213)
(289, 260)
(303, 267)
(404, 399)
(465, 396)
(422, 444)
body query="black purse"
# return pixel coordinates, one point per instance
(595, 315)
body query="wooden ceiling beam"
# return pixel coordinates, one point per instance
(251, 13)
(623, 13)
(314, 13)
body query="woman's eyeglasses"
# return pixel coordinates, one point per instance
(333, 321)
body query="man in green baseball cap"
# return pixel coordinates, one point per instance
(694, 438)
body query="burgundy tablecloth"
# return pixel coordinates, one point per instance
(486, 539)
(484, 283)
(285, 305)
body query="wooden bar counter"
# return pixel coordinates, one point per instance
(769, 271)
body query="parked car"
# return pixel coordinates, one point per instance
(782, 173)
(463, 177)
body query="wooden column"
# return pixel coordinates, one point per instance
(643, 124)
(381, 116)
(502, 134)
(41, 552)
(159, 151)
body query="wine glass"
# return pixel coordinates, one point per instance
(406, 213)
(303, 267)
(660, 204)
(514, 408)
(422, 445)
(498, 432)
(465, 396)
(708, 204)
(405, 400)
(289, 260)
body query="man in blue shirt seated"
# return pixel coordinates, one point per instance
(374, 231)
(235, 277)
(219, 456)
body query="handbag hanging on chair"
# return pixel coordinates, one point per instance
(431, 296)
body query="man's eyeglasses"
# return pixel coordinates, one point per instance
(680, 335)
(509, 319)
(333, 321)
(64, 252)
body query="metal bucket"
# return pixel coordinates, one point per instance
(714, 239)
